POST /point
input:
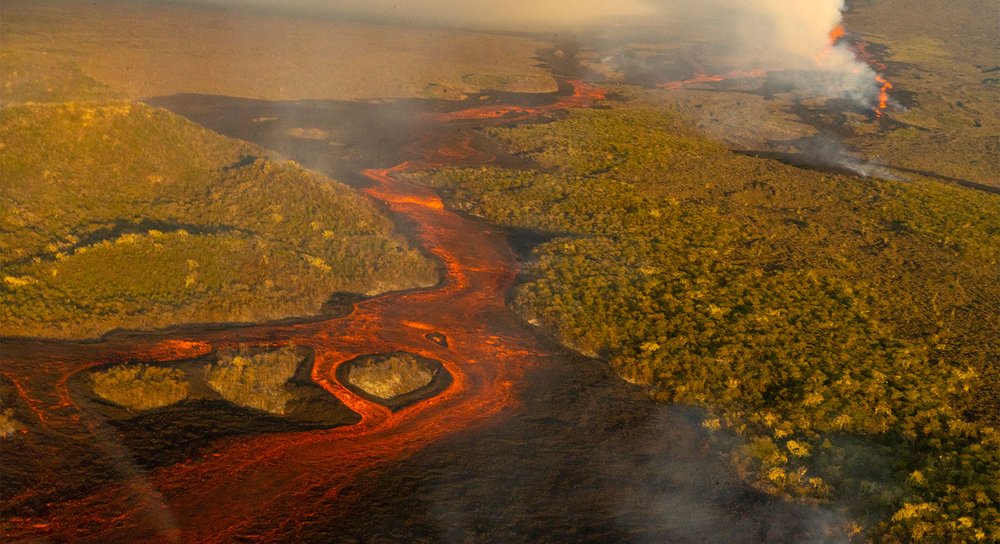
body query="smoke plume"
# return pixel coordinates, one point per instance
(793, 41)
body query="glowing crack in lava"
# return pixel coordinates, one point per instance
(264, 487)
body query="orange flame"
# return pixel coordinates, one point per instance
(836, 34)
(861, 53)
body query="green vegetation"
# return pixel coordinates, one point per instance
(118, 215)
(261, 378)
(140, 387)
(390, 377)
(845, 327)
(255, 380)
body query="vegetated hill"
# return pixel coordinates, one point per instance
(40, 77)
(119, 215)
(845, 327)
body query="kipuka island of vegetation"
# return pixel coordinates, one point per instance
(394, 379)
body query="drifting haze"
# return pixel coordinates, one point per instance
(506, 15)
(790, 36)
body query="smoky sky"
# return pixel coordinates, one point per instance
(784, 23)
(773, 35)
(788, 33)
(508, 15)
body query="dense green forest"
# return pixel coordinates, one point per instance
(844, 327)
(114, 214)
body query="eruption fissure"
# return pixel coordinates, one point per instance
(883, 95)
(809, 48)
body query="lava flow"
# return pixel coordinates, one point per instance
(264, 487)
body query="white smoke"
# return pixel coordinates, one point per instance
(788, 37)
(802, 41)
(793, 31)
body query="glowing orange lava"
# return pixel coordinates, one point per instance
(175, 349)
(583, 94)
(883, 95)
(860, 49)
(262, 487)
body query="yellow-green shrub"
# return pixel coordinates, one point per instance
(141, 386)
(255, 380)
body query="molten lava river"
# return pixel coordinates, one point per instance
(527, 443)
